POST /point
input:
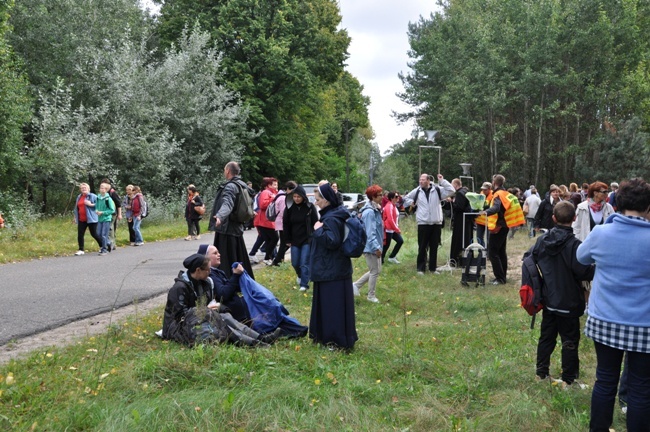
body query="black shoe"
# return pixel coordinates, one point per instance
(269, 338)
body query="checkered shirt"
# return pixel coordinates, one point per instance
(619, 336)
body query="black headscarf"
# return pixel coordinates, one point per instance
(328, 193)
(193, 262)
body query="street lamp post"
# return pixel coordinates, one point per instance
(431, 138)
(347, 154)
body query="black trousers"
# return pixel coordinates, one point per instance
(399, 241)
(569, 330)
(428, 241)
(282, 249)
(497, 253)
(81, 231)
(270, 237)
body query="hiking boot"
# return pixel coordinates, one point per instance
(393, 260)
(269, 338)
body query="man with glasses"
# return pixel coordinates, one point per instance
(427, 198)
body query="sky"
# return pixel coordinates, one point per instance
(378, 52)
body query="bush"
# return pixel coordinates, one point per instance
(18, 212)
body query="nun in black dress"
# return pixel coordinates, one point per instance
(332, 320)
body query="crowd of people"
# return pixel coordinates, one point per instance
(99, 214)
(589, 253)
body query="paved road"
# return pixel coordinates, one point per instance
(44, 294)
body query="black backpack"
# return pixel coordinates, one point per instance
(532, 283)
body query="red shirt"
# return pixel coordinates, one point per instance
(81, 208)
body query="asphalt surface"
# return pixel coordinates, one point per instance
(44, 294)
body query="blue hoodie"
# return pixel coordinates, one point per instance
(620, 291)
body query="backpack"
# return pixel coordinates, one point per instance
(354, 237)
(144, 207)
(415, 199)
(272, 210)
(532, 282)
(243, 209)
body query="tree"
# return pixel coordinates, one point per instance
(281, 56)
(521, 86)
(15, 109)
(154, 122)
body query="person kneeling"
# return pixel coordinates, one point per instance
(192, 315)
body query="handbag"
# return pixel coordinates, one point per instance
(200, 210)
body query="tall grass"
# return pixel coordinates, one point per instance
(432, 356)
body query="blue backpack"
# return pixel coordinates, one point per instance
(354, 237)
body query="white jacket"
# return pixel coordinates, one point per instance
(429, 212)
(581, 228)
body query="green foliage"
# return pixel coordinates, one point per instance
(285, 59)
(15, 109)
(151, 122)
(523, 87)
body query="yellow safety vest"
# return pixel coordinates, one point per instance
(514, 216)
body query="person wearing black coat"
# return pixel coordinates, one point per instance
(226, 289)
(461, 235)
(298, 224)
(544, 216)
(332, 321)
(192, 314)
(562, 293)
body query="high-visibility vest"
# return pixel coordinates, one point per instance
(481, 219)
(514, 216)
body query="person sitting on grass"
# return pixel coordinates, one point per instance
(226, 289)
(192, 315)
(562, 294)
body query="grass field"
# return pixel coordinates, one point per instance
(432, 356)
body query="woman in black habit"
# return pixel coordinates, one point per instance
(332, 320)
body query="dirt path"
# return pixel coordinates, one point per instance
(68, 333)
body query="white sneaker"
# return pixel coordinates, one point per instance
(268, 262)
(436, 272)
(158, 333)
(253, 259)
(139, 243)
(303, 289)
(420, 273)
(79, 252)
(355, 290)
(373, 299)
(298, 280)
(393, 260)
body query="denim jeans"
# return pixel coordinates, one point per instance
(103, 229)
(603, 397)
(300, 262)
(136, 229)
(531, 227)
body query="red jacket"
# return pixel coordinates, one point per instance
(266, 196)
(135, 205)
(390, 216)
